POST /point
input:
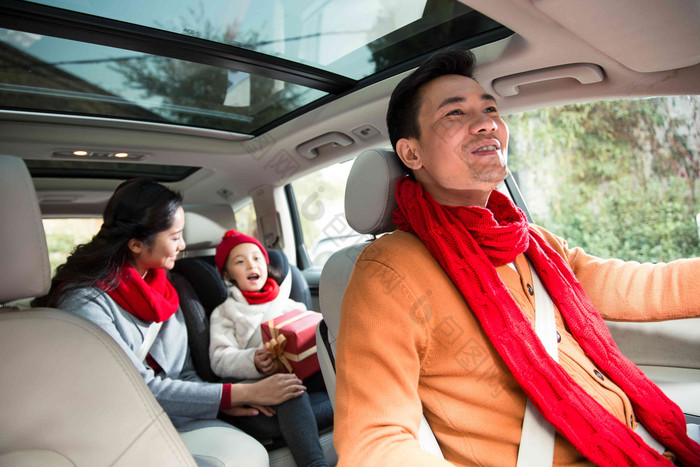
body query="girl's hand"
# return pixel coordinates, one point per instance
(241, 411)
(265, 410)
(276, 389)
(251, 411)
(264, 362)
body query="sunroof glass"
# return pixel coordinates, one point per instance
(49, 74)
(245, 67)
(352, 38)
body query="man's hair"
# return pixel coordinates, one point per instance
(404, 105)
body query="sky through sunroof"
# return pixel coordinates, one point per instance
(336, 42)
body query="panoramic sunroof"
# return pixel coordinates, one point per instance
(59, 75)
(237, 66)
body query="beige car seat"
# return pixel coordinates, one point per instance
(70, 396)
(369, 204)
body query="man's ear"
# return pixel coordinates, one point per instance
(407, 150)
(135, 246)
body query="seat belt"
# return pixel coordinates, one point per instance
(148, 340)
(537, 439)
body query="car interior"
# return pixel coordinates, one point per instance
(268, 117)
(55, 411)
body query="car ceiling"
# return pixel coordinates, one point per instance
(628, 48)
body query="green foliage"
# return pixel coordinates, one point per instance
(319, 196)
(194, 94)
(619, 179)
(63, 235)
(60, 246)
(246, 220)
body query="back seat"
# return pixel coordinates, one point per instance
(199, 284)
(201, 289)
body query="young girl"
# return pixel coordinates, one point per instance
(236, 348)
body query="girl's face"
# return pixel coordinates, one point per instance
(164, 250)
(246, 267)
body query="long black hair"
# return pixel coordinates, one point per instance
(140, 208)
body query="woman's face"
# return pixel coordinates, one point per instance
(246, 267)
(164, 250)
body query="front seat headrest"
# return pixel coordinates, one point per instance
(205, 225)
(23, 253)
(369, 194)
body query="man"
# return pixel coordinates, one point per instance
(453, 336)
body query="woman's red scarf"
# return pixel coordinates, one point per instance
(469, 242)
(269, 292)
(150, 299)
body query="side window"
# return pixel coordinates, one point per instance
(246, 220)
(617, 178)
(63, 235)
(320, 200)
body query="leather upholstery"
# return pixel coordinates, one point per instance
(70, 396)
(369, 193)
(205, 225)
(369, 204)
(69, 389)
(23, 253)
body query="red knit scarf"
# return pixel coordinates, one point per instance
(269, 292)
(469, 242)
(152, 299)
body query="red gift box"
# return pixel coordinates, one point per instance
(291, 338)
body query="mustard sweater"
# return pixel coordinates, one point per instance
(408, 344)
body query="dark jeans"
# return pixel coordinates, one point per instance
(297, 421)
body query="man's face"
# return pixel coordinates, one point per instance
(461, 154)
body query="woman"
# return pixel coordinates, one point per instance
(118, 281)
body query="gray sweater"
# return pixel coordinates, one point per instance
(178, 389)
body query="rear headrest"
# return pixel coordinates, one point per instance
(205, 224)
(369, 193)
(24, 257)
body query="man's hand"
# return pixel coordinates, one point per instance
(265, 363)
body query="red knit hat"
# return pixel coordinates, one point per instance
(230, 240)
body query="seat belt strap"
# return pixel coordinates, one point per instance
(148, 340)
(537, 439)
(646, 436)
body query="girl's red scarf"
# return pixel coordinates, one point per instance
(469, 242)
(150, 299)
(269, 292)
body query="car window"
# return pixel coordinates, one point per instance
(617, 178)
(63, 235)
(320, 199)
(246, 220)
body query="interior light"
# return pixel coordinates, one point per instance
(121, 154)
(80, 153)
